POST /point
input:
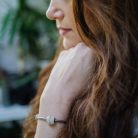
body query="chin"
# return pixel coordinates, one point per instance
(67, 44)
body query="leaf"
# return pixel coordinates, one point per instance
(5, 23)
(15, 27)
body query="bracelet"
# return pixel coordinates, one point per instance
(51, 120)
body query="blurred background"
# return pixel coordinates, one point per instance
(27, 44)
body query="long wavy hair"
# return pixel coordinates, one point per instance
(107, 107)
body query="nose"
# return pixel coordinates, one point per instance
(54, 13)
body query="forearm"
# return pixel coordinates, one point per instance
(54, 107)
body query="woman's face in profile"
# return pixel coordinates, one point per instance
(62, 12)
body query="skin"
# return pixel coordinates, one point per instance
(73, 65)
(61, 11)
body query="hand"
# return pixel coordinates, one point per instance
(69, 75)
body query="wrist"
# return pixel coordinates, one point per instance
(57, 106)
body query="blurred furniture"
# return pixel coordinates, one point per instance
(13, 113)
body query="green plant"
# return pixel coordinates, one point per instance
(30, 25)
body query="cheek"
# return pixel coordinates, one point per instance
(75, 32)
(73, 38)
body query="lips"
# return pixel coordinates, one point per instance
(64, 31)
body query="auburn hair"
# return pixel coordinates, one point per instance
(107, 107)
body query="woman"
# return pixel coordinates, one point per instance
(92, 84)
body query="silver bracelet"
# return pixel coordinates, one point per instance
(51, 120)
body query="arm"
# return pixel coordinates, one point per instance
(68, 77)
(59, 109)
